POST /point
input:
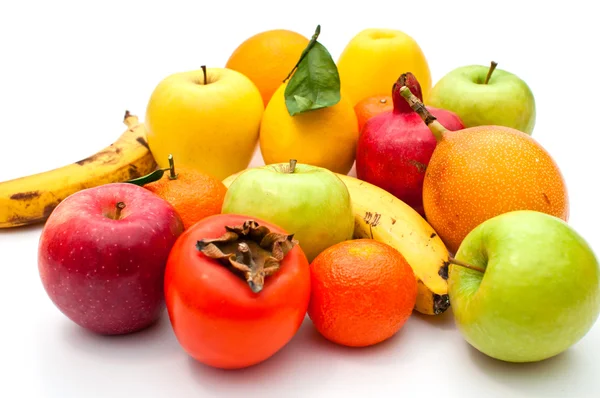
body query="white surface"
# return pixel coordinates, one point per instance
(68, 72)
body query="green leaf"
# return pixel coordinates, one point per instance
(316, 82)
(147, 179)
(155, 175)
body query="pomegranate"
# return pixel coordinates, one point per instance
(394, 147)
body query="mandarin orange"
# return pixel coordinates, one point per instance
(372, 106)
(362, 292)
(267, 58)
(193, 194)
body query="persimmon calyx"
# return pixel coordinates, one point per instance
(249, 250)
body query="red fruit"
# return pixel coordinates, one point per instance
(394, 147)
(219, 316)
(102, 256)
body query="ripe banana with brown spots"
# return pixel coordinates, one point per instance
(381, 216)
(31, 199)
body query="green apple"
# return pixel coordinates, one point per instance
(308, 201)
(536, 292)
(482, 95)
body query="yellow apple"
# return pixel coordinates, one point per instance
(208, 119)
(375, 58)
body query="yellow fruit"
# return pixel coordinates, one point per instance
(323, 137)
(267, 58)
(374, 59)
(31, 199)
(210, 127)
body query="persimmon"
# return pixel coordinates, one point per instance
(237, 290)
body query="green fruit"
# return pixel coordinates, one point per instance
(311, 202)
(539, 293)
(505, 100)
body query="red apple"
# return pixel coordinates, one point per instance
(394, 147)
(102, 256)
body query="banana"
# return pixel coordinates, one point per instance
(381, 216)
(31, 199)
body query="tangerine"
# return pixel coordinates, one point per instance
(372, 106)
(362, 292)
(193, 194)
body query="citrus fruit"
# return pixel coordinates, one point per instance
(373, 59)
(193, 194)
(267, 57)
(481, 172)
(323, 137)
(362, 292)
(372, 106)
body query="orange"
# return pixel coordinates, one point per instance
(480, 172)
(372, 106)
(325, 137)
(193, 194)
(267, 58)
(362, 292)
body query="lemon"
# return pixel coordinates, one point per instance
(323, 137)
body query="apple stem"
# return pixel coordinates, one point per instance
(415, 103)
(120, 206)
(292, 165)
(490, 71)
(454, 261)
(172, 174)
(310, 45)
(204, 72)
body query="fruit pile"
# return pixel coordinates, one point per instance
(454, 205)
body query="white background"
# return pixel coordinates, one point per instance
(68, 70)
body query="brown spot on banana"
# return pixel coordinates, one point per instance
(18, 220)
(443, 271)
(133, 171)
(25, 195)
(372, 219)
(94, 157)
(143, 142)
(49, 209)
